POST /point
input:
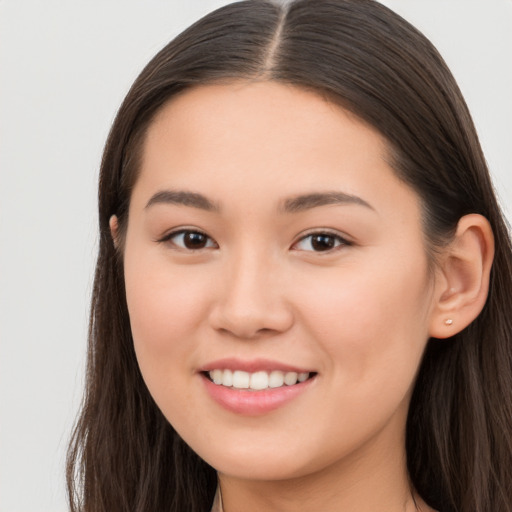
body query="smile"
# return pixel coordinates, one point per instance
(256, 381)
(257, 386)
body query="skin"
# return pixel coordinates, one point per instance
(359, 315)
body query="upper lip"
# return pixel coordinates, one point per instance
(251, 366)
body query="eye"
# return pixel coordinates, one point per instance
(320, 242)
(190, 240)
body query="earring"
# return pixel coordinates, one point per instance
(448, 321)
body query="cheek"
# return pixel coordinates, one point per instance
(166, 311)
(371, 317)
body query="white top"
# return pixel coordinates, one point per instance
(217, 502)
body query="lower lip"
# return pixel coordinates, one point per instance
(254, 403)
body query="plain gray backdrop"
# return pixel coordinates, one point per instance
(65, 66)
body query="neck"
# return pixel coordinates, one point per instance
(372, 479)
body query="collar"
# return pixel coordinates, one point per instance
(217, 502)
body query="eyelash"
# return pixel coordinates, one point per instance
(338, 240)
(169, 238)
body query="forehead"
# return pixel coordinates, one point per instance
(260, 139)
(263, 110)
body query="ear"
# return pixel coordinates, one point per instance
(462, 282)
(114, 230)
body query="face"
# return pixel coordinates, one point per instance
(271, 249)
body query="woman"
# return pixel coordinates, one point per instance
(302, 293)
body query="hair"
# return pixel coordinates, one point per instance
(124, 455)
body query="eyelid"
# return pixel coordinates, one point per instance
(343, 240)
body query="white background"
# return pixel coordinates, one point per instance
(64, 68)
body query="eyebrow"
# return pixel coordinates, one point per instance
(291, 205)
(308, 201)
(184, 198)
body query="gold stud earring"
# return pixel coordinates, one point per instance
(448, 321)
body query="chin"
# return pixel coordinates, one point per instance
(260, 469)
(266, 463)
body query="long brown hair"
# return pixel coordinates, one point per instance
(124, 455)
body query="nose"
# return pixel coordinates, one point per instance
(251, 301)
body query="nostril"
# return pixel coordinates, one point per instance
(245, 332)
(247, 314)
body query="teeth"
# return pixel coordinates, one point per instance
(290, 378)
(227, 378)
(275, 379)
(257, 380)
(303, 376)
(216, 376)
(241, 379)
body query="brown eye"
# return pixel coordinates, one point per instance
(190, 240)
(323, 242)
(320, 242)
(193, 240)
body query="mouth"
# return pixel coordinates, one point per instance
(256, 381)
(256, 387)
